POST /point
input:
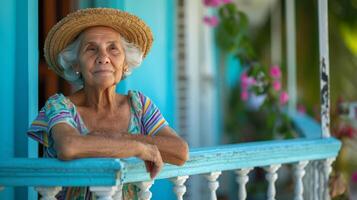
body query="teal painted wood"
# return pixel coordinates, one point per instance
(25, 84)
(306, 126)
(52, 172)
(100, 171)
(32, 68)
(229, 157)
(7, 40)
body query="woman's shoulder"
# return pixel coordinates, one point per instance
(136, 95)
(58, 101)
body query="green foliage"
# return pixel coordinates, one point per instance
(269, 121)
(344, 10)
(232, 33)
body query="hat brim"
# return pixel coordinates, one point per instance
(129, 26)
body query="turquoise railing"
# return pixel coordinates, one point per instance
(112, 173)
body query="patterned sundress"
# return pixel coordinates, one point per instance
(145, 119)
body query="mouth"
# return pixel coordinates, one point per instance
(104, 71)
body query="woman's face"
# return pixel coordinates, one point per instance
(101, 57)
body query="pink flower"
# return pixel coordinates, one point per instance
(284, 97)
(275, 72)
(277, 85)
(244, 95)
(246, 81)
(226, 1)
(354, 177)
(212, 3)
(301, 109)
(211, 21)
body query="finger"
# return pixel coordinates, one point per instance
(156, 169)
(153, 173)
(149, 165)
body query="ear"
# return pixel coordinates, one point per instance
(125, 68)
(76, 68)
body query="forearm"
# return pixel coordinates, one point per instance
(98, 146)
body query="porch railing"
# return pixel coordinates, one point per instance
(106, 176)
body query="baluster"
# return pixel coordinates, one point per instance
(119, 193)
(48, 193)
(316, 180)
(271, 177)
(144, 193)
(309, 181)
(213, 184)
(103, 193)
(321, 180)
(179, 188)
(310, 187)
(242, 179)
(299, 173)
(327, 170)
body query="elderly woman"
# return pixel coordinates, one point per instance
(95, 49)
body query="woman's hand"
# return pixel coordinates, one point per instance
(149, 153)
(152, 158)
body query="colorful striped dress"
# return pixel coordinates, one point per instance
(145, 119)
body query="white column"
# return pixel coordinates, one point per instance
(103, 193)
(242, 179)
(324, 68)
(119, 193)
(145, 193)
(179, 186)
(271, 177)
(207, 86)
(299, 172)
(193, 26)
(48, 193)
(291, 52)
(213, 184)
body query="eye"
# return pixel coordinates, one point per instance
(113, 47)
(91, 48)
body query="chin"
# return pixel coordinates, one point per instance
(104, 83)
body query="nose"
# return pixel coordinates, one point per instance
(102, 58)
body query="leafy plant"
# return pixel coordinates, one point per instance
(257, 80)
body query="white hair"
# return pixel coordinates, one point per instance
(68, 58)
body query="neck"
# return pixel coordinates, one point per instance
(101, 99)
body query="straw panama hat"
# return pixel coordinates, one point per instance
(132, 28)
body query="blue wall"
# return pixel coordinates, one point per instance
(18, 83)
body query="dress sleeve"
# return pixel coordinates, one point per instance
(152, 119)
(56, 110)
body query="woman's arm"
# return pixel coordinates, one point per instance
(173, 149)
(69, 145)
